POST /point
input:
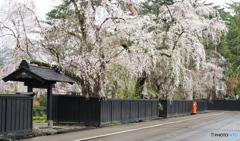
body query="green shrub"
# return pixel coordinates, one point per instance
(232, 97)
(39, 111)
(43, 100)
(160, 106)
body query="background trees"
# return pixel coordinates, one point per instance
(229, 46)
(107, 49)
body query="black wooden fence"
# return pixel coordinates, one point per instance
(124, 110)
(67, 108)
(16, 113)
(75, 109)
(231, 105)
(201, 106)
(179, 108)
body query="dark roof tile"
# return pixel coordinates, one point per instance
(49, 74)
(43, 73)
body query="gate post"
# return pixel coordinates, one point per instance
(49, 105)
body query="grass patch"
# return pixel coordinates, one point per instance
(102, 124)
(39, 119)
(17, 136)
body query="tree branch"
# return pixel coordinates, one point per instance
(175, 43)
(170, 14)
(81, 20)
(167, 55)
(112, 18)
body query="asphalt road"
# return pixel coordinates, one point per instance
(212, 126)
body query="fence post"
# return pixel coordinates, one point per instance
(121, 111)
(131, 109)
(145, 109)
(111, 111)
(49, 105)
(5, 124)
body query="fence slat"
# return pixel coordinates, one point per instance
(3, 115)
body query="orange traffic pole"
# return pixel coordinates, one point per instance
(194, 107)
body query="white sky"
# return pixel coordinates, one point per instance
(44, 6)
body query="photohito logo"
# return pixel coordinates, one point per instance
(224, 135)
